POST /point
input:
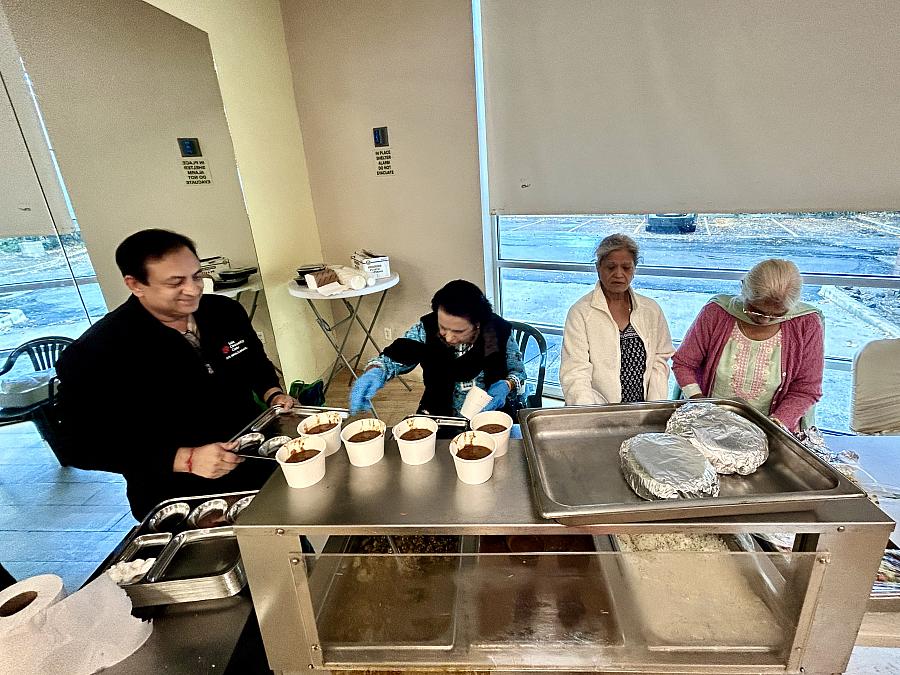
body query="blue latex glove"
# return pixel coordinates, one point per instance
(365, 388)
(499, 392)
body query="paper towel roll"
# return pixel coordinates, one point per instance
(85, 632)
(21, 601)
(350, 277)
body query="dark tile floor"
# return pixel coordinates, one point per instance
(52, 519)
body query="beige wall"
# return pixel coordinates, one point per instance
(247, 42)
(409, 66)
(118, 82)
(121, 80)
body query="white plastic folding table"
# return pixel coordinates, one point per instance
(339, 341)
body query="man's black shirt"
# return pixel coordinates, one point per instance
(132, 391)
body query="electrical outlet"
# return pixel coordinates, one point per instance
(261, 336)
(388, 334)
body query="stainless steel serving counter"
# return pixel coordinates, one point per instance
(880, 457)
(844, 538)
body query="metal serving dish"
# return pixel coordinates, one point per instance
(196, 565)
(360, 605)
(277, 421)
(542, 589)
(573, 460)
(145, 546)
(191, 563)
(197, 555)
(757, 594)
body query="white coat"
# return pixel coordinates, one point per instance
(589, 371)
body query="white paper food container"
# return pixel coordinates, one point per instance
(302, 474)
(473, 471)
(501, 439)
(475, 401)
(367, 452)
(416, 452)
(332, 437)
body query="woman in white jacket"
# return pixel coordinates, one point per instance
(616, 345)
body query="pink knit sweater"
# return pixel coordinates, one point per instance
(802, 360)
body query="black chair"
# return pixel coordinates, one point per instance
(43, 353)
(522, 333)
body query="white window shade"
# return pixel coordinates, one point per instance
(691, 106)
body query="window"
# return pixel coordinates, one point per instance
(47, 282)
(48, 288)
(850, 263)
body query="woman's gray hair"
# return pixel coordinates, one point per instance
(773, 280)
(615, 242)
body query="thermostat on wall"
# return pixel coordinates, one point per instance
(190, 147)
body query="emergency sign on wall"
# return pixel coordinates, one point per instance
(383, 166)
(196, 171)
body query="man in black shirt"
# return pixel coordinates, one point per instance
(155, 388)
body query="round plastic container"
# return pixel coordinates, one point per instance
(473, 471)
(306, 473)
(501, 438)
(332, 437)
(364, 453)
(422, 450)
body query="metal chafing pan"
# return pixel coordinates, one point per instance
(195, 565)
(532, 588)
(200, 551)
(757, 593)
(419, 613)
(573, 460)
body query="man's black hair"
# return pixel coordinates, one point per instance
(464, 299)
(133, 254)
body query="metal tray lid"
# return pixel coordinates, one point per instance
(573, 461)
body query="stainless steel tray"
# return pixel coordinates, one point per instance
(277, 421)
(558, 596)
(573, 460)
(195, 565)
(207, 582)
(420, 615)
(145, 546)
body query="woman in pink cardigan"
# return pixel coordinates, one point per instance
(763, 346)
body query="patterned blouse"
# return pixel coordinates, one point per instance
(634, 363)
(749, 370)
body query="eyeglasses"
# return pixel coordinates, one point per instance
(759, 317)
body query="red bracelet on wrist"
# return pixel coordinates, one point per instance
(190, 466)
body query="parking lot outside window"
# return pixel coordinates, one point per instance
(850, 263)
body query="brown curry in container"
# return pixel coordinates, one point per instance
(473, 451)
(415, 434)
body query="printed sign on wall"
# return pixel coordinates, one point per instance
(383, 162)
(196, 172)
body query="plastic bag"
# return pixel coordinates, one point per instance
(308, 393)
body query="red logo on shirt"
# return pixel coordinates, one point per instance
(226, 349)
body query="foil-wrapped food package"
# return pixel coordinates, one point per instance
(663, 466)
(731, 443)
